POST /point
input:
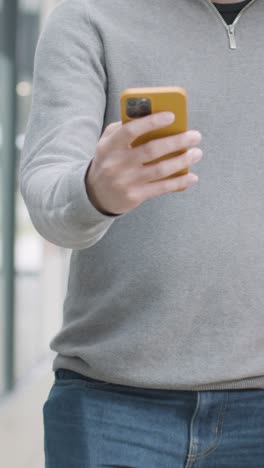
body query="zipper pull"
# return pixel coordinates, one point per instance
(231, 34)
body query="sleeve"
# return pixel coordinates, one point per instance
(64, 126)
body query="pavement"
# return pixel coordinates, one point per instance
(21, 423)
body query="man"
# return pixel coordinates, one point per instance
(160, 358)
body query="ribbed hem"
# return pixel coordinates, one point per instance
(77, 365)
(85, 212)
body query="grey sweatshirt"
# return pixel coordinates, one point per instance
(169, 295)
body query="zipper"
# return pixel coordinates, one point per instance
(231, 27)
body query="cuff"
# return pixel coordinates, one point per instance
(85, 212)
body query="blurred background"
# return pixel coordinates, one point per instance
(33, 272)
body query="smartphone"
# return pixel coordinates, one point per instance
(139, 102)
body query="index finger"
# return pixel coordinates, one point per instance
(130, 131)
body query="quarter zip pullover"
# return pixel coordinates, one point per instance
(169, 295)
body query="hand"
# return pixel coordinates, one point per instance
(117, 180)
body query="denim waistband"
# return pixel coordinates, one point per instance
(69, 374)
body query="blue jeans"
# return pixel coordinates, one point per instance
(94, 424)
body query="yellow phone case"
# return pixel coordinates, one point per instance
(162, 98)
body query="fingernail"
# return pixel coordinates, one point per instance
(168, 117)
(193, 179)
(196, 134)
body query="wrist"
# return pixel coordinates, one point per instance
(91, 196)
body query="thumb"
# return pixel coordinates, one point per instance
(111, 128)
